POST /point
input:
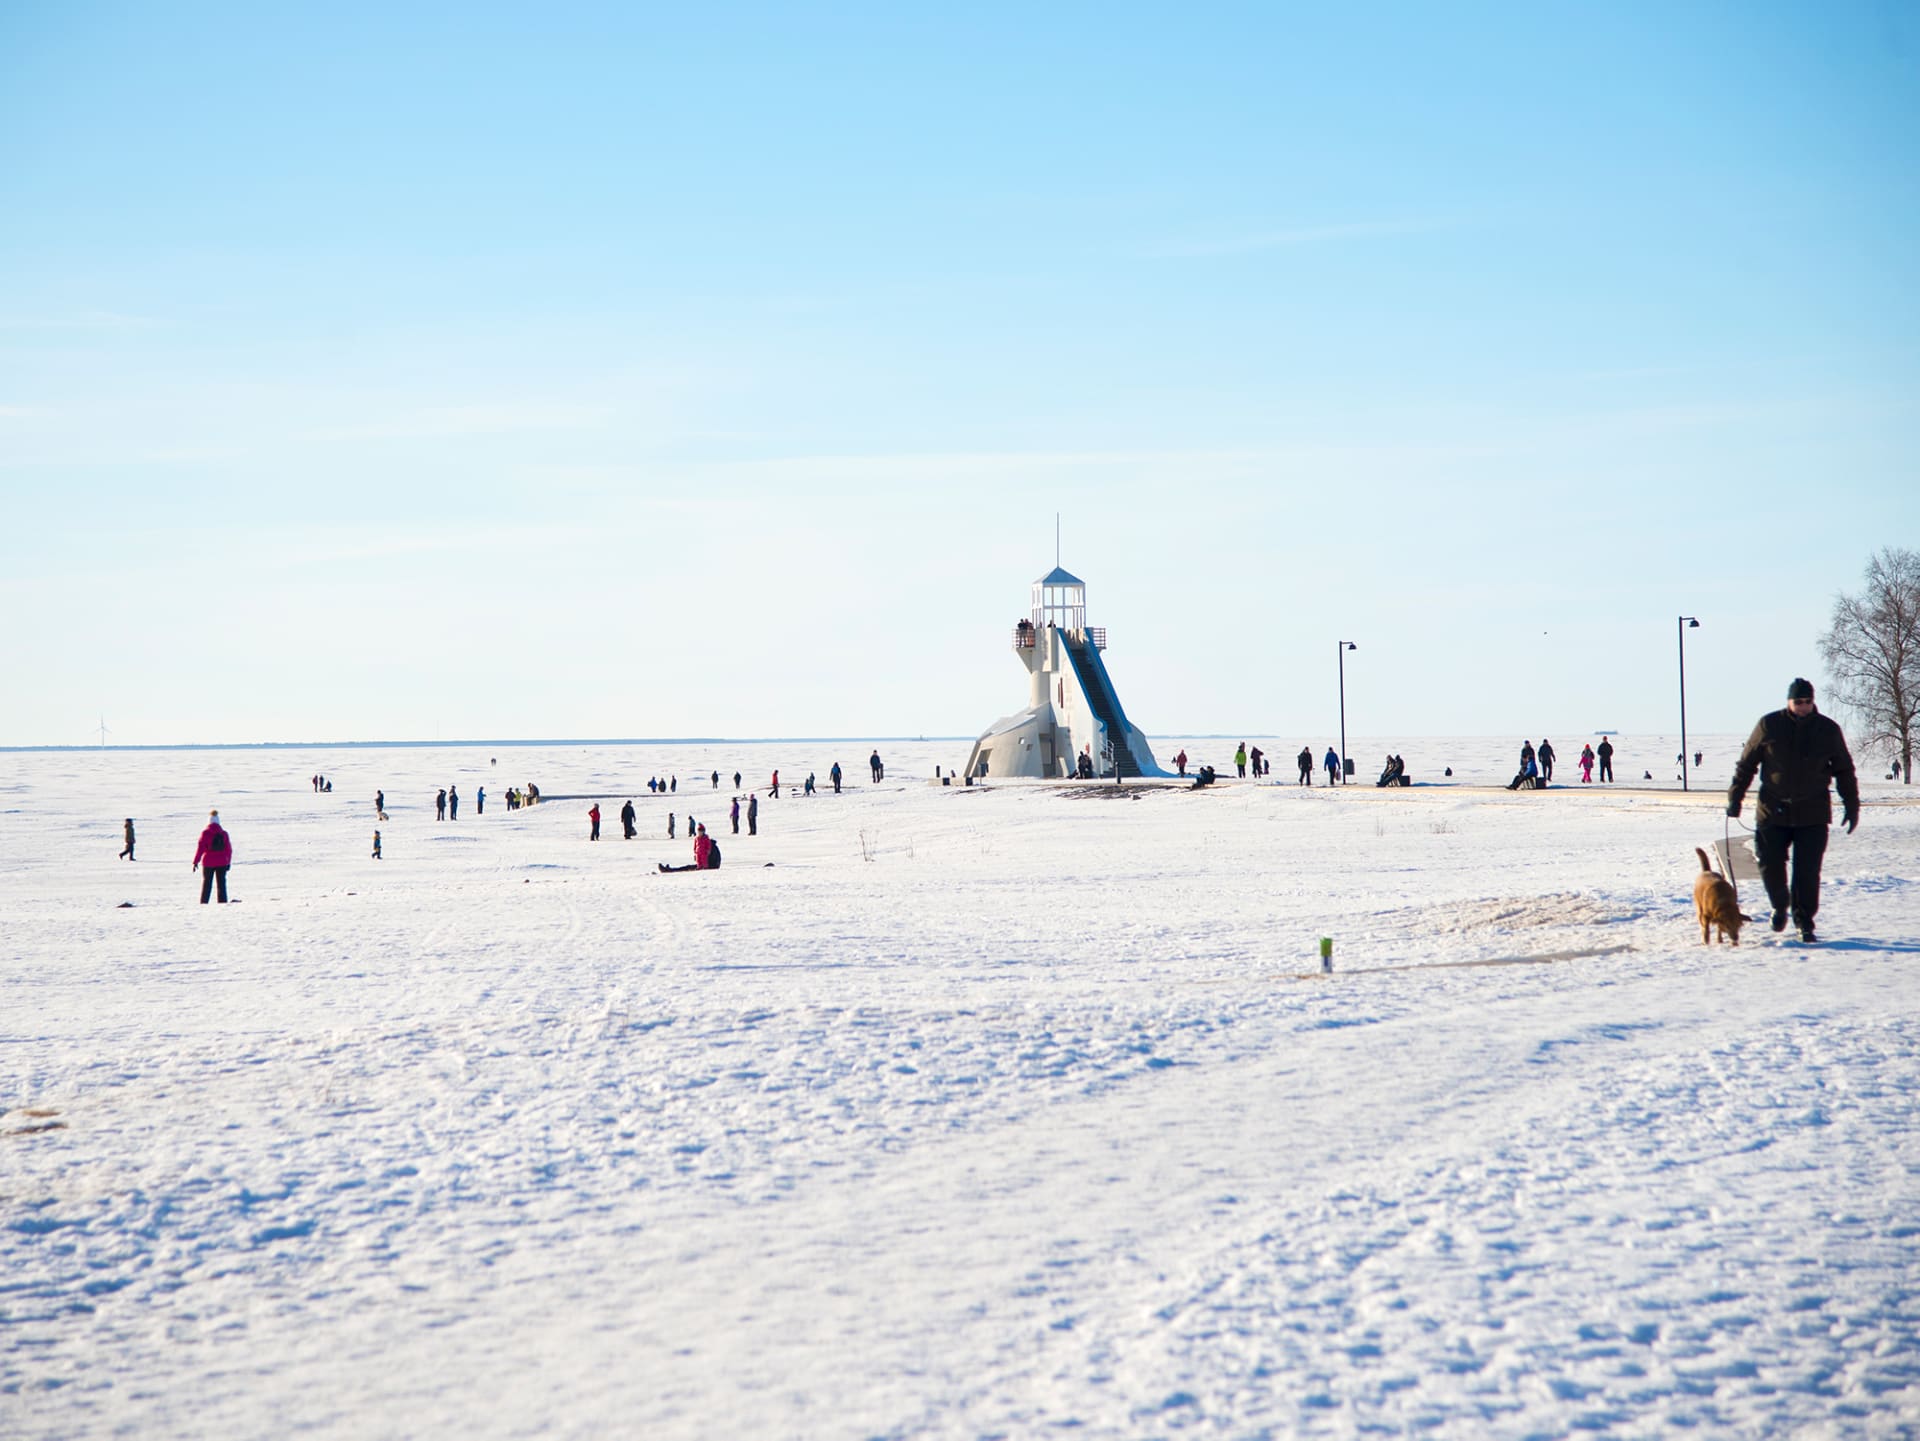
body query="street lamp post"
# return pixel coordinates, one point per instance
(1341, 650)
(1682, 625)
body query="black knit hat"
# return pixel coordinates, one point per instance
(1801, 689)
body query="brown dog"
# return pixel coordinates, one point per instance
(1715, 904)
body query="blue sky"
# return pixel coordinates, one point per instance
(616, 370)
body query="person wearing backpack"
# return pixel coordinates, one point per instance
(216, 850)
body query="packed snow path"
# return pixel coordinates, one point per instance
(981, 1112)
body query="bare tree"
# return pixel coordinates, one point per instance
(1872, 652)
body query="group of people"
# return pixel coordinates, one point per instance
(1799, 756)
(1242, 758)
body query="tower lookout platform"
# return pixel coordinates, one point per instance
(1073, 722)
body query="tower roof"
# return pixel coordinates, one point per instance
(1057, 576)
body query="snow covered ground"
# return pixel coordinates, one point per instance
(943, 1112)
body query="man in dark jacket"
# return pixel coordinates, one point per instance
(1798, 753)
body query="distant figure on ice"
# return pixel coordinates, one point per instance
(736, 780)
(776, 785)
(733, 814)
(376, 845)
(1256, 759)
(1332, 763)
(716, 780)
(480, 801)
(1180, 761)
(1606, 759)
(834, 776)
(807, 790)
(1546, 759)
(1305, 762)
(126, 853)
(440, 806)
(453, 803)
(1586, 764)
(674, 785)
(753, 814)
(593, 820)
(706, 855)
(1240, 759)
(379, 805)
(626, 821)
(873, 763)
(669, 825)
(216, 851)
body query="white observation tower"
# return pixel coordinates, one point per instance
(1073, 712)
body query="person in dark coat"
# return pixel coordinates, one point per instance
(626, 821)
(733, 814)
(379, 805)
(1546, 759)
(440, 806)
(753, 814)
(376, 845)
(1332, 764)
(1305, 760)
(1800, 756)
(1605, 753)
(453, 803)
(216, 851)
(834, 776)
(127, 854)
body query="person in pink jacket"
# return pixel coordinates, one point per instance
(216, 851)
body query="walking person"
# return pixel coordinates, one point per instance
(734, 815)
(753, 814)
(669, 825)
(1180, 761)
(453, 803)
(1606, 759)
(376, 845)
(127, 853)
(213, 858)
(627, 815)
(873, 764)
(440, 806)
(776, 785)
(716, 780)
(1332, 764)
(1256, 759)
(480, 801)
(379, 805)
(1586, 764)
(593, 819)
(1546, 759)
(1305, 761)
(1800, 756)
(834, 776)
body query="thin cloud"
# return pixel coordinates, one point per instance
(449, 421)
(1258, 241)
(81, 320)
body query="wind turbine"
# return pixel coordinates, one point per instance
(104, 732)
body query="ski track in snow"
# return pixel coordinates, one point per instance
(980, 1113)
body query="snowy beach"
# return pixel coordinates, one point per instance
(940, 1111)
